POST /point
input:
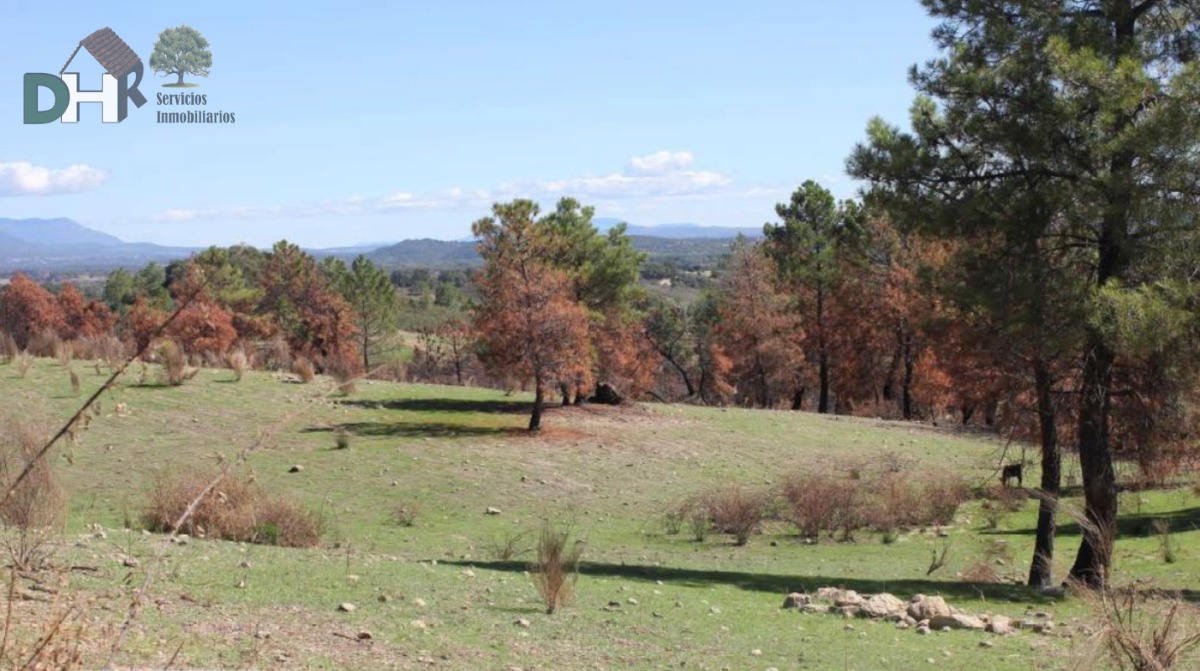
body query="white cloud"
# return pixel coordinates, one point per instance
(660, 162)
(661, 175)
(26, 179)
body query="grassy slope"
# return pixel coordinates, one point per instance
(453, 452)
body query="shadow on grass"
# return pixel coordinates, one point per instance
(1128, 526)
(410, 430)
(443, 405)
(781, 585)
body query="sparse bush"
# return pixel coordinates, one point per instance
(943, 497)
(63, 353)
(405, 514)
(44, 344)
(736, 512)
(699, 523)
(235, 510)
(174, 363)
(37, 507)
(275, 354)
(1141, 631)
(557, 566)
(674, 518)
(238, 364)
(509, 546)
(811, 502)
(345, 374)
(1166, 548)
(24, 362)
(303, 369)
(343, 439)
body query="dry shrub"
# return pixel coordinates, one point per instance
(239, 364)
(405, 514)
(981, 571)
(303, 369)
(44, 639)
(817, 503)
(942, 497)
(345, 373)
(64, 353)
(24, 362)
(8, 348)
(811, 502)
(736, 512)
(287, 523)
(44, 344)
(174, 363)
(38, 506)
(1143, 631)
(509, 546)
(235, 510)
(557, 566)
(106, 348)
(275, 354)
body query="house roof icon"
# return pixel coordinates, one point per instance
(109, 50)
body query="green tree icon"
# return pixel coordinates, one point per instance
(181, 51)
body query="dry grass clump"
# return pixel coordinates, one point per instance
(405, 514)
(235, 510)
(37, 508)
(24, 364)
(175, 363)
(557, 567)
(46, 639)
(64, 353)
(1142, 631)
(345, 374)
(304, 370)
(45, 344)
(106, 348)
(239, 364)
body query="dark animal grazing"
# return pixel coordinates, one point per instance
(1009, 472)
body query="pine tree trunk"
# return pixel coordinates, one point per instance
(1095, 460)
(566, 394)
(1042, 568)
(798, 399)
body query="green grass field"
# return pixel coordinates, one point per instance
(435, 596)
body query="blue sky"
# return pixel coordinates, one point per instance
(362, 121)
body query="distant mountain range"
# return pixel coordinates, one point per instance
(45, 245)
(63, 244)
(680, 231)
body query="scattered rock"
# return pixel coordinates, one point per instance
(419, 602)
(818, 608)
(796, 600)
(956, 621)
(492, 511)
(419, 624)
(130, 562)
(985, 643)
(1000, 625)
(923, 630)
(347, 607)
(632, 601)
(881, 606)
(523, 623)
(756, 653)
(296, 468)
(926, 607)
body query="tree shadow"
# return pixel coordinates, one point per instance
(443, 405)
(1128, 526)
(410, 430)
(779, 585)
